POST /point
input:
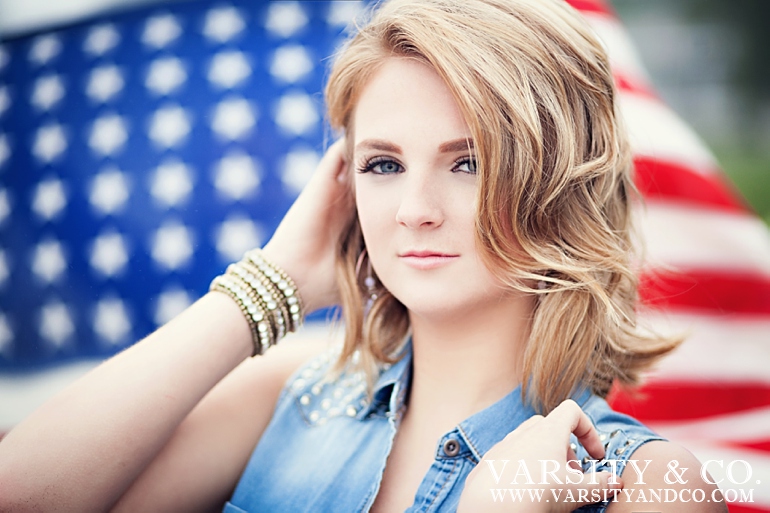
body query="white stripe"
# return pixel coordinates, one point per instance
(623, 56)
(22, 394)
(717, 349)
(657, 132)
(689, 237)
(749, 426)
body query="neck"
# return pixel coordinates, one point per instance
(464, 363)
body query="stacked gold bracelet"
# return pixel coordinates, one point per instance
(266, 295)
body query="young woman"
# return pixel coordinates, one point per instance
(475, 225)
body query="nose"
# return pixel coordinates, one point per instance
(420, 205)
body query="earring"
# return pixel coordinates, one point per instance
(542, 285)
(369, 282)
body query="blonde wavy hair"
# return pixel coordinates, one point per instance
(554, 164)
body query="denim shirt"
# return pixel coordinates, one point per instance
(326, 446)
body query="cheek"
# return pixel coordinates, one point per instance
(377, 222)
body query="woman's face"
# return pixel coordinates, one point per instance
(416, 192)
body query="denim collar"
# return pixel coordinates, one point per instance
(481, 430)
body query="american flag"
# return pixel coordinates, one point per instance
(142, 151)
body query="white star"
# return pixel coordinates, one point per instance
(285, 19)
(228, 69)
(171, 302)
(291, 63)
(48, 91)
(161, 30)
(235, 236)
(165, 75)
(299, 166)
(56, 324)
(6, 335)
(104, 83)
(49, 261)
(222, 24)
(172, 245)
(233, 118)
(172, 183)
(4, 272)
(5, 205)
(296, 114)
(101, 39)
(4, 57)
(45, 48)
(49, 199)
(109, 254)
(5, 100)
(342, 14)
(5, 149)
(108, 134)
(237, 176)
(109, 191)
(169, 126)
(50, 143)
(111, 321)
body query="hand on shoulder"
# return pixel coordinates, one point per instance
(537, 471)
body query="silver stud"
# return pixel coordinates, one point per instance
(629, 442)
(337, 393)
(316, 389)
(620, 450)
(307, 373)
(350, 411)
(314, 416)
(573, 447)
(326, 403)
(603, 437)
(333, 412)
(615, 433)
(304, 400)
(298, 384)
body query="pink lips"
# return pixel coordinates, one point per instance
(426, 259)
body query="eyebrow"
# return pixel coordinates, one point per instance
(455, 146)
(447, 147)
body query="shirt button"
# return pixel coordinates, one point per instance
(451, 448)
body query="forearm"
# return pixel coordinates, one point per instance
(83, 448)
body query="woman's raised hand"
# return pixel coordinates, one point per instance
(305, 242)
(539, 449)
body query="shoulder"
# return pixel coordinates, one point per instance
(668, 476)
(650, 466)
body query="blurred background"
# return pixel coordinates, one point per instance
(146, 144)
(710, 61)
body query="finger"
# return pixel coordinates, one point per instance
(572, 459)
(572, 419)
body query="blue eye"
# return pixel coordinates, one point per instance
(465, 165)
(381, 166)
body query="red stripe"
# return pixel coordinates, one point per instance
(671, 401)
(634, 87)
(743, 508)
(710, 291)
(666, 180)
(762, 445)
(598, 6)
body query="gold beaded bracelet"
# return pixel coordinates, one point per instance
(284, 283)
(266, 295)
